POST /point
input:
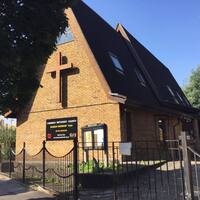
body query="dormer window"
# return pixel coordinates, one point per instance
(67, 36)
(183, 99)
(179, 96)
(172, 94)
(140, 77)
(170, 91)
(186, 100)
(116, 63)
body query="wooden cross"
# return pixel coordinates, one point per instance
(60, 68)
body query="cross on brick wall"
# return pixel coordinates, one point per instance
(61, 73)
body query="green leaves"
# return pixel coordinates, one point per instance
(7, 140)
(192, 89)
(28, 33)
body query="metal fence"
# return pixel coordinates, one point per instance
(153, 170)
(44, 169)
(166, 170)
(193, 176)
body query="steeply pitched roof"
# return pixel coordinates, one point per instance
(162, 81)
(160, 74)
(103, 39)
(161, 88)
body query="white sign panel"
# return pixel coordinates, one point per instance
(125, 148)
(99, 135)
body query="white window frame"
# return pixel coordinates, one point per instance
(180, 97)
(116, 63)
(172, 94)
(140, 78)
(187, 101)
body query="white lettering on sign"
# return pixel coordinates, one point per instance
(71, 121)
(61, 122)
(51, 123)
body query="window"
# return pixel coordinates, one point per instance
(187, 126)
(172, 94)
(186, 100)
(116, 63)
(140, 77)
(67, 36)
(94, 137)
(179, 96)
(162, 130)
(170, 91)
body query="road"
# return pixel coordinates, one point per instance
(11, 190)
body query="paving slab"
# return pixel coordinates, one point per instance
(12, 190)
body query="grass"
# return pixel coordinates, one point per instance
(94, 167)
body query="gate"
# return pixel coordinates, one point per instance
(153, 170)
(192, 169)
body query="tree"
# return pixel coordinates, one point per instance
(28, 34)
(192, 89)
(7, 140)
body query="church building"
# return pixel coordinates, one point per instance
(109, 84)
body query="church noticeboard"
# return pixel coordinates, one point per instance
(61, 129)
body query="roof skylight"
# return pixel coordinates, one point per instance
(172, 94)
(180, 97)
(116, 62)
(140, 77)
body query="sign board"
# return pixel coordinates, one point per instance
(61, 129)
(125, 148)
(95, 137)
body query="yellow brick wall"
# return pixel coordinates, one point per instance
(33, 131)
(144, 125)
(87, 99)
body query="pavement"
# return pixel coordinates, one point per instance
(13, 190)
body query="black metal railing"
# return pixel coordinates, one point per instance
(194, 162)
(152, 170)
(44, 169)
(147, 170)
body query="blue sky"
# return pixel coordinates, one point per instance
(170, 29)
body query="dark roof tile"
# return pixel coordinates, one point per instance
(102, 39)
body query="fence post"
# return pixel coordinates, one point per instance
(24, 163)
(114, 172)
(43, 163)
(187, 168)
(10, 161)
(75, 169)
(0, 154)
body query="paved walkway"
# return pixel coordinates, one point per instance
(11, 190)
